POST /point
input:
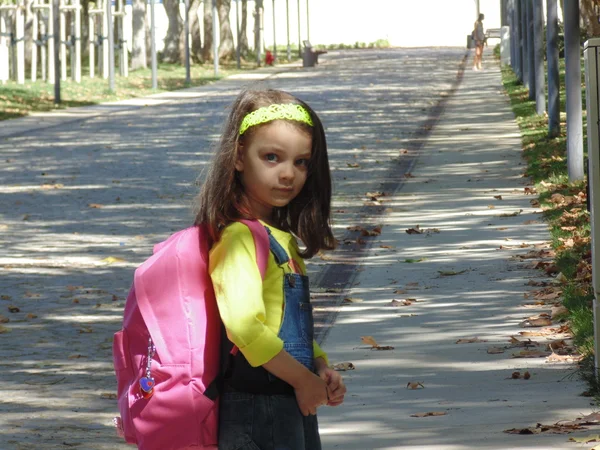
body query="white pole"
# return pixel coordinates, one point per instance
(91, 46)
(4, 43)
(20, 35)
(215, 36)
(34, 47)
(63, 46)
(105, 49)
(188, 78)
(77, 55)
(153, 45)
(51, 43)
(111, 47)
(45, 43)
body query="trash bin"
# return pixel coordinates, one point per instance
(309, 57)
(470, 41)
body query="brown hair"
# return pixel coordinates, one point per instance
(222, 199)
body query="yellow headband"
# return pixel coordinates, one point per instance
(286, 111)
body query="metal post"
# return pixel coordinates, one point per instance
(188, 77)
(503, 13)
(538, 39)
(215, 37)
(77, 12)
(307, 22)
(111, 47)
(153, 45)
(34, 46)
(524, 43)
(52, 40)
(287, 15)
(518, 41)
(573, 90)
(274, 34)
(530, 49)
(553, 72)
(591, 56)
(239, 35)
(56, 55)
(299, 38)
(62, 42)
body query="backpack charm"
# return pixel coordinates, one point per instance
(147, 383)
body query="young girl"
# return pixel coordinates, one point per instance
(271, 165)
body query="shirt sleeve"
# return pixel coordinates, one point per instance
(319, 353)
(239, 292)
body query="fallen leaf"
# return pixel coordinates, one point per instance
(353, 165)
(514, 214)
(539, 322)
(415, 230)
(108, 395)
(498, 197)
(4, 329)
(13, 309)
(95, 205)
(415, 385)
(353, 300)
(449, 273)
(495, 350)
(383, 347)
(412, 260)
(470, 340)
(429, 414)
(586, 439)
(112, 260)
(369, 340)
(342, 367)
(4, 319)
(400, 291)
(491, 207)
(31, 316)
(530, 354)
(530, 222)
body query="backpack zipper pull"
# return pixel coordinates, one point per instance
(147, 383)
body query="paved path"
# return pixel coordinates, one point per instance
(87, 192)
(464, 286)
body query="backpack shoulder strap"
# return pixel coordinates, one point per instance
(261, 242)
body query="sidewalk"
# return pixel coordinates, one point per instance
(472, 156)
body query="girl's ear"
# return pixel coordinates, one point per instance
(239, 159)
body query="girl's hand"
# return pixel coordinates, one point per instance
(310, 394)
(336, 389)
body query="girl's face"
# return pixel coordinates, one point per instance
(273, 165)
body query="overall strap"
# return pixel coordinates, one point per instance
(281, 256)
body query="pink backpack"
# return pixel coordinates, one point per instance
(167, 356)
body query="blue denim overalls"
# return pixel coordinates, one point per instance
(258, 410)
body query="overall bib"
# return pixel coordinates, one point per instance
(258, 411)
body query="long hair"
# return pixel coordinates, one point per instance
(222, 199)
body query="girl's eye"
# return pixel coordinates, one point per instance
(302, 162)
(271, 157)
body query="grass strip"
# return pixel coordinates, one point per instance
(18, 100)
(565, 210)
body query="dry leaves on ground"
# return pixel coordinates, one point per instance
(470, 340)
(518, 376)
(343, 366)
(369, 340)
(405, 302)
(415, 385)
(450, 273)
(551, 429)
(429, 414)
(541, 321)
(418, 230)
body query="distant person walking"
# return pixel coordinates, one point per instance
(479, 38)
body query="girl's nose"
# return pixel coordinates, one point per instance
(287, 172)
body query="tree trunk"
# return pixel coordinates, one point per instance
(590, 20)
(138, 53)
(171, 53)
(207, 50)
(244, 26)
(196, 38)
(226, 45)
(257, 31)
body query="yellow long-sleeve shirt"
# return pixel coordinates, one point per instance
(252, 308)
